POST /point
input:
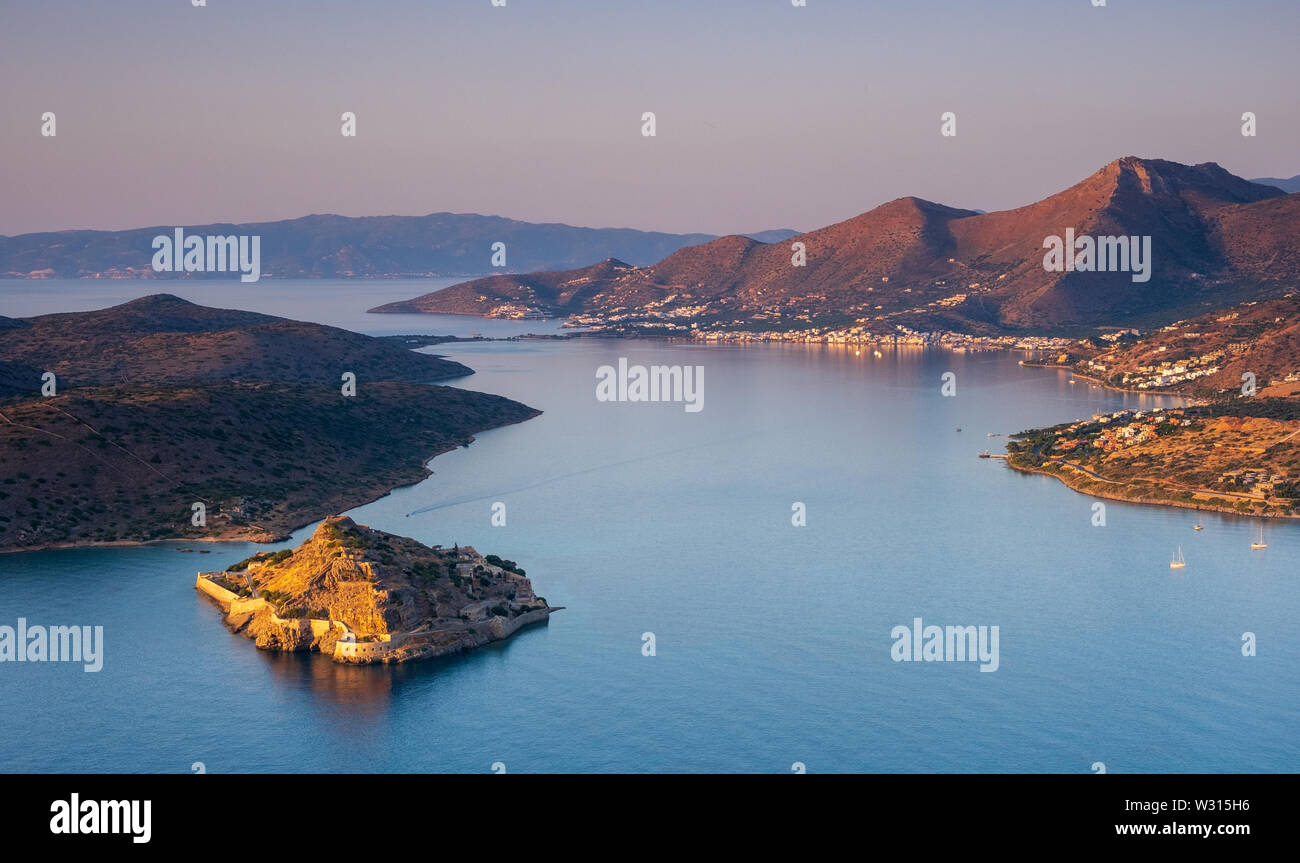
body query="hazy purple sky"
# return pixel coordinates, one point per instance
(768, 115)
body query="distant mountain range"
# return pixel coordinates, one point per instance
(1288, 186)
(326, 246)
(1216, 239)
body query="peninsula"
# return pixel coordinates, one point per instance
(364, 596)
(160, 419)
(1239, 456)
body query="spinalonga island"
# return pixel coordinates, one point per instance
(364, 596)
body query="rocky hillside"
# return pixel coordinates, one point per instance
(1216, 239)
(165, 339)
(554, 293)
(394, 596)
(161, 404)
(1207, 355)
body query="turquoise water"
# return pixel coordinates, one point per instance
(772, 641)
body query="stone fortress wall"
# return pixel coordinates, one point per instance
(346, 648)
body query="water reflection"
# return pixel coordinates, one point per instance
(367, 690)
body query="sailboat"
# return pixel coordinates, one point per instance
(1260, 544)
(1178, 562)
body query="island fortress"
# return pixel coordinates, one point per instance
(364, 596)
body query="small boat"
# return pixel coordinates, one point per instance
(959, 429)
(1197, 527)
(1178, 562)
(1259, 545)
(985, 454)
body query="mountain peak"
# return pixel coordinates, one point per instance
(156, 301)
(331, 525)
(1215, 238)
(1209, 181)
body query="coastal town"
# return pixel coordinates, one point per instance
(861, 332)
(1120, 430)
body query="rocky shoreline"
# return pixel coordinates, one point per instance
(1084, 485)
(362, 596)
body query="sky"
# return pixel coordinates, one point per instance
(767, 115)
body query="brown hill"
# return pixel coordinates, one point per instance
(563, 292)
(1176, 205)
(1260, 240)
(162, 404)
(164, 339)
(1208, 354)
(845, 262)
(1216, 239)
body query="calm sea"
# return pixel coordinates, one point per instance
(772, 642)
